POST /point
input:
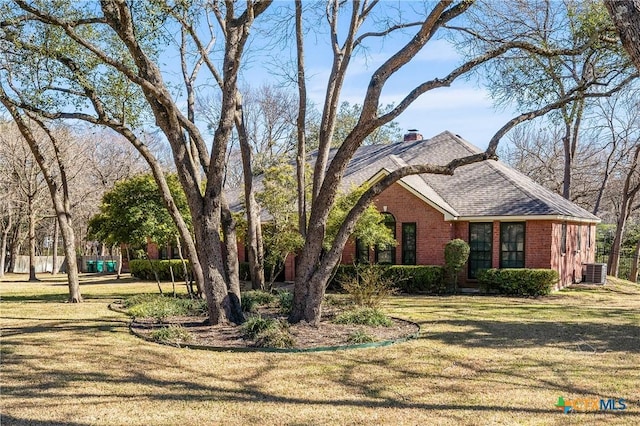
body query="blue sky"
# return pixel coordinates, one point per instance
(465, 108)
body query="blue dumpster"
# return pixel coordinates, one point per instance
(91, 266)
(100, 266)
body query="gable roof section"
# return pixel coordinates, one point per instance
(489, 189)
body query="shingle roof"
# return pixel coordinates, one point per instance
(486, 189)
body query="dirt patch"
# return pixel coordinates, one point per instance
(305, 337)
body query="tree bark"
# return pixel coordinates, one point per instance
(301, 157)
(254, 228)
(626, 17)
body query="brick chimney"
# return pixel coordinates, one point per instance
(412, 135)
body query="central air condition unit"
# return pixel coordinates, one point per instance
(595, 273)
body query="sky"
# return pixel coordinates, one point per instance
(465, 108)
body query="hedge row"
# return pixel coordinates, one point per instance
(142, 268)
(518, 282)
(408, 279)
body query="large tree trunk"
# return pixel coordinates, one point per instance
(626, 17)
(254, 229)
(231, 262)
(69, 242)
(301, 157)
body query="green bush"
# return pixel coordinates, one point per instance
(254, 298)
(360, 336)
(518, 282)
(171, 334)
(258, 325)
(364, 316)
(141, 268)
(369, 286)
(160, 307)
(275, 338)
(285, 299)
(268, 332)
(407, 278)
(419, 278)
(456, 253)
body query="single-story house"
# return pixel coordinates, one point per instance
(508, 220)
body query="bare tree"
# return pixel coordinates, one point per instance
(55, 176)
(29, 189)
(530, 80)
(630, 189)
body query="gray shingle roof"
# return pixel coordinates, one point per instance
(486, 189)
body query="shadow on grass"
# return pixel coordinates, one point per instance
(585, 337)
(197, 386)
(7, 420)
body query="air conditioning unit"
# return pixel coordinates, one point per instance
(595, 273)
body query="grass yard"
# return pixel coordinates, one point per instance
(479, 360)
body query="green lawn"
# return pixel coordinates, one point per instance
(479, 360)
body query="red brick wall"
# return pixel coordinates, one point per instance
(537, 244)
(152, 250)
(432, 232)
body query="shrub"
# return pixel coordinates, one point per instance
(275, 338)
(360, 336)
(171, 334)
(418, 278)
(254, 298)
(142, 268)
(139, 299)
(160, 307)
(258, 325)
(456, 253)
(364, 316)
(518, 282)
(369, 286)
(285, 299)
(268, 332)
(407, 278)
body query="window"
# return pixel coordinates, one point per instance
(512, 245)
(362, 252)
(563, 239)
(409, 243)
(387, 254)
(481, 247)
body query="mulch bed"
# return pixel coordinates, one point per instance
(306, 337)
